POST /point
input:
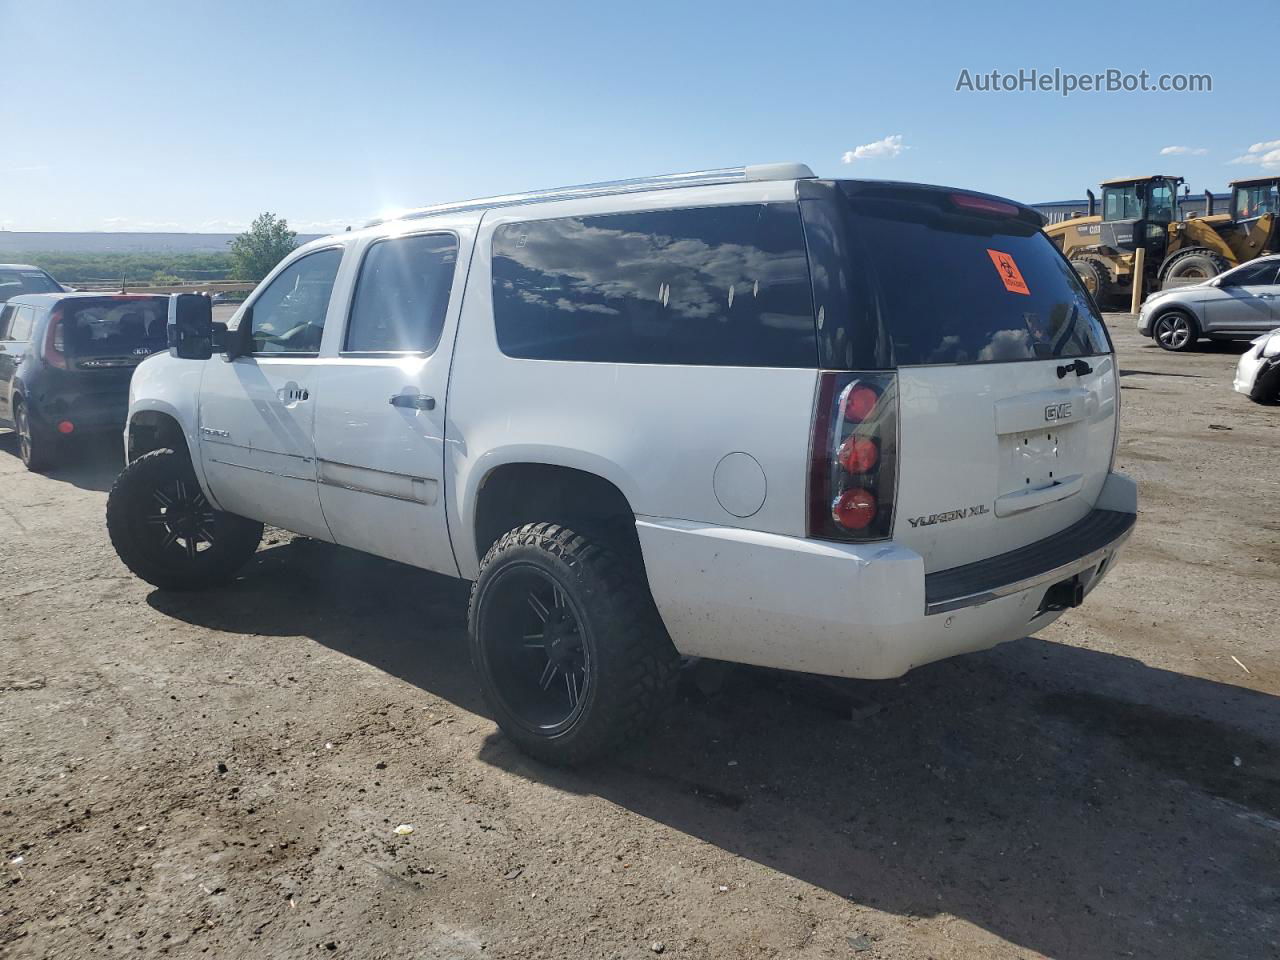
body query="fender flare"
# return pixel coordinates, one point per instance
(461, 513)
(165, 408)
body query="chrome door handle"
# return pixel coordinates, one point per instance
(419, 401)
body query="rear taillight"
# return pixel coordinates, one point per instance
(853, 456)
(55, 349)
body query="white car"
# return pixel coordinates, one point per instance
(1258, 372)
(833, 426)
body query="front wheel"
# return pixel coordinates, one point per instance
(1175, 330)
(1095, 278)
(167, 532)
(572, 656)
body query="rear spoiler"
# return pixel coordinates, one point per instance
(920, 193)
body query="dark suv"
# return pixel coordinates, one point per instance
(65, 364)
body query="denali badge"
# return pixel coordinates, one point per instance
(975, 511)
(1057, 411)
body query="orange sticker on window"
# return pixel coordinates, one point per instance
(1009, 272)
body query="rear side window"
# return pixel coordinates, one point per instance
(98, 329)
(719, 286)
(910, 281)
(402, 295)
(14, 282)
(23, 321)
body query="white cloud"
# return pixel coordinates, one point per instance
(1183, 151)
(885, 149)
(1265, 154)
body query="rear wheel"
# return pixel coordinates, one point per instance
(1175, 330)
(1095, 278)
(1194, 265)
(167, 532)
(36, 445)
(571, 654)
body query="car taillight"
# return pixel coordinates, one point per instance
(55, 354)
(853, 456)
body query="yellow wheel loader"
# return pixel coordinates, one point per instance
(1142, 212)
(1136, 212)
(1251, 228)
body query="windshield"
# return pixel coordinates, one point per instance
(25, 280)
(1249, 202)
(132, 328)
(930, 286)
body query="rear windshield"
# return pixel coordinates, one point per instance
(115, 328)
(14, 282)
(924, 284)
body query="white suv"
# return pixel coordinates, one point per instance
(840, 427)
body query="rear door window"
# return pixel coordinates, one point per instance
(110, 329)
(23, 321)
(908, 280)
(402, 295)
(721, 286)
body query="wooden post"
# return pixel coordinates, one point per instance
(1138, 259)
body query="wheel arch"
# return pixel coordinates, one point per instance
(530, 484)
(152, 428)
(155, 423)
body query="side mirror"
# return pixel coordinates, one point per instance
(190, 327)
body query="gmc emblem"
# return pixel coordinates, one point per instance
(1057, 411)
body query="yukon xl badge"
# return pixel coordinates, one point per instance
(976, 510)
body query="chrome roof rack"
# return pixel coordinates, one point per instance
(666, 181)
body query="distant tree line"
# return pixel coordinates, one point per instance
(73, 268)
(252, 256)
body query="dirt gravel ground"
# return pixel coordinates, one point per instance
(221, 774)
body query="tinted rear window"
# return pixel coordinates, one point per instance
(14, 282)
(916, 283)
(720, 286)
(115, 328)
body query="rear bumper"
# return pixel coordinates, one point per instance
(87, 412)
(868, 610)
(1082, 547)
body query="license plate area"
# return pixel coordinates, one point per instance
(1037, 467)
(1033, 459)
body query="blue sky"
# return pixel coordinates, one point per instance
(150, 116)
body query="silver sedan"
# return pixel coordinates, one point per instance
(1235, 305)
